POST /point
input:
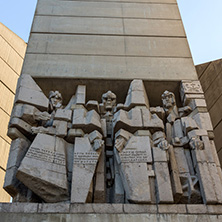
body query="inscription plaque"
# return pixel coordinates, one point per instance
(86, 157)
(134, 156)
(46, 155)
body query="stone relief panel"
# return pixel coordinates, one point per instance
(91, 152)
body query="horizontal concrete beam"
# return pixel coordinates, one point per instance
(108, 26)
(108, 45)
(138, 1)
(108, 9)
(97, 67)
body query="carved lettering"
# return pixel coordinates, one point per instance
(85, 157)
(46, 155)
(134, 156)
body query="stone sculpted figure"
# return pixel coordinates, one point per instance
(178, 124)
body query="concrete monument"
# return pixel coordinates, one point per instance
(123, 129)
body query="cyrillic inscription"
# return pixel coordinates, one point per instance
(46, 155)
(85, 157)
(134, 156)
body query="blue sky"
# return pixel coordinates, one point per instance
(202, 21)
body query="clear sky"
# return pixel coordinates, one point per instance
(202, 21)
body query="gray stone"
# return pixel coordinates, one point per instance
(73, 133)
(54, 208)
(19, 207)
(196, 209)
(28, 92)
(14, 133)
(92, 105)
(159, 155)
(140, 209)
(62, 114)
(100, 185)
(43, 169)
(172, 208)
(136, 95)
(84, 168)
(164, 189)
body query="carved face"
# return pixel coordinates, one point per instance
(109, 100)
(55, 99)
(168, 99)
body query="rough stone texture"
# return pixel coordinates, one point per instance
(54, 208)
(43, 169)
(28, 92)
(18, 150)
(84, 167)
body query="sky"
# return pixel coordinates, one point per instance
(202, 22)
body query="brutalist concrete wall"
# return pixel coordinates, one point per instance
(117, 40)
(11, 59)
(210, 75)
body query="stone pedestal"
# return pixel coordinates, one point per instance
(108, 212)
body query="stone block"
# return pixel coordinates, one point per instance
(142, 133)
(100, 185)
(197, 103)
(130, 121)
(62, 114)
(19, 207)
(81, 208)
(84, 167)
(21, 125)
(196, 209)
(88, 121)
(92, 105)
(61, 128)
(73, 133)
(189, 97)
(25, 112)
(44, 166)
(18, 150)
(14, 133)
(94, 135)
(26, 81)
(69, 156)
(181, 160)
(190, 87)
(136, 182)
(152, 122)
(159, 155)
(163, 183)
(29, 96)
(203, 121)
(172, 209)
(136, 95)
(139, 209)
(54, 208)
(214, 209)
(206, 183)
(108, 208)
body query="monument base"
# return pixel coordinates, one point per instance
(62, 212)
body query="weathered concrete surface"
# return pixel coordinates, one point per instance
(210, 75)
(108, 212)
